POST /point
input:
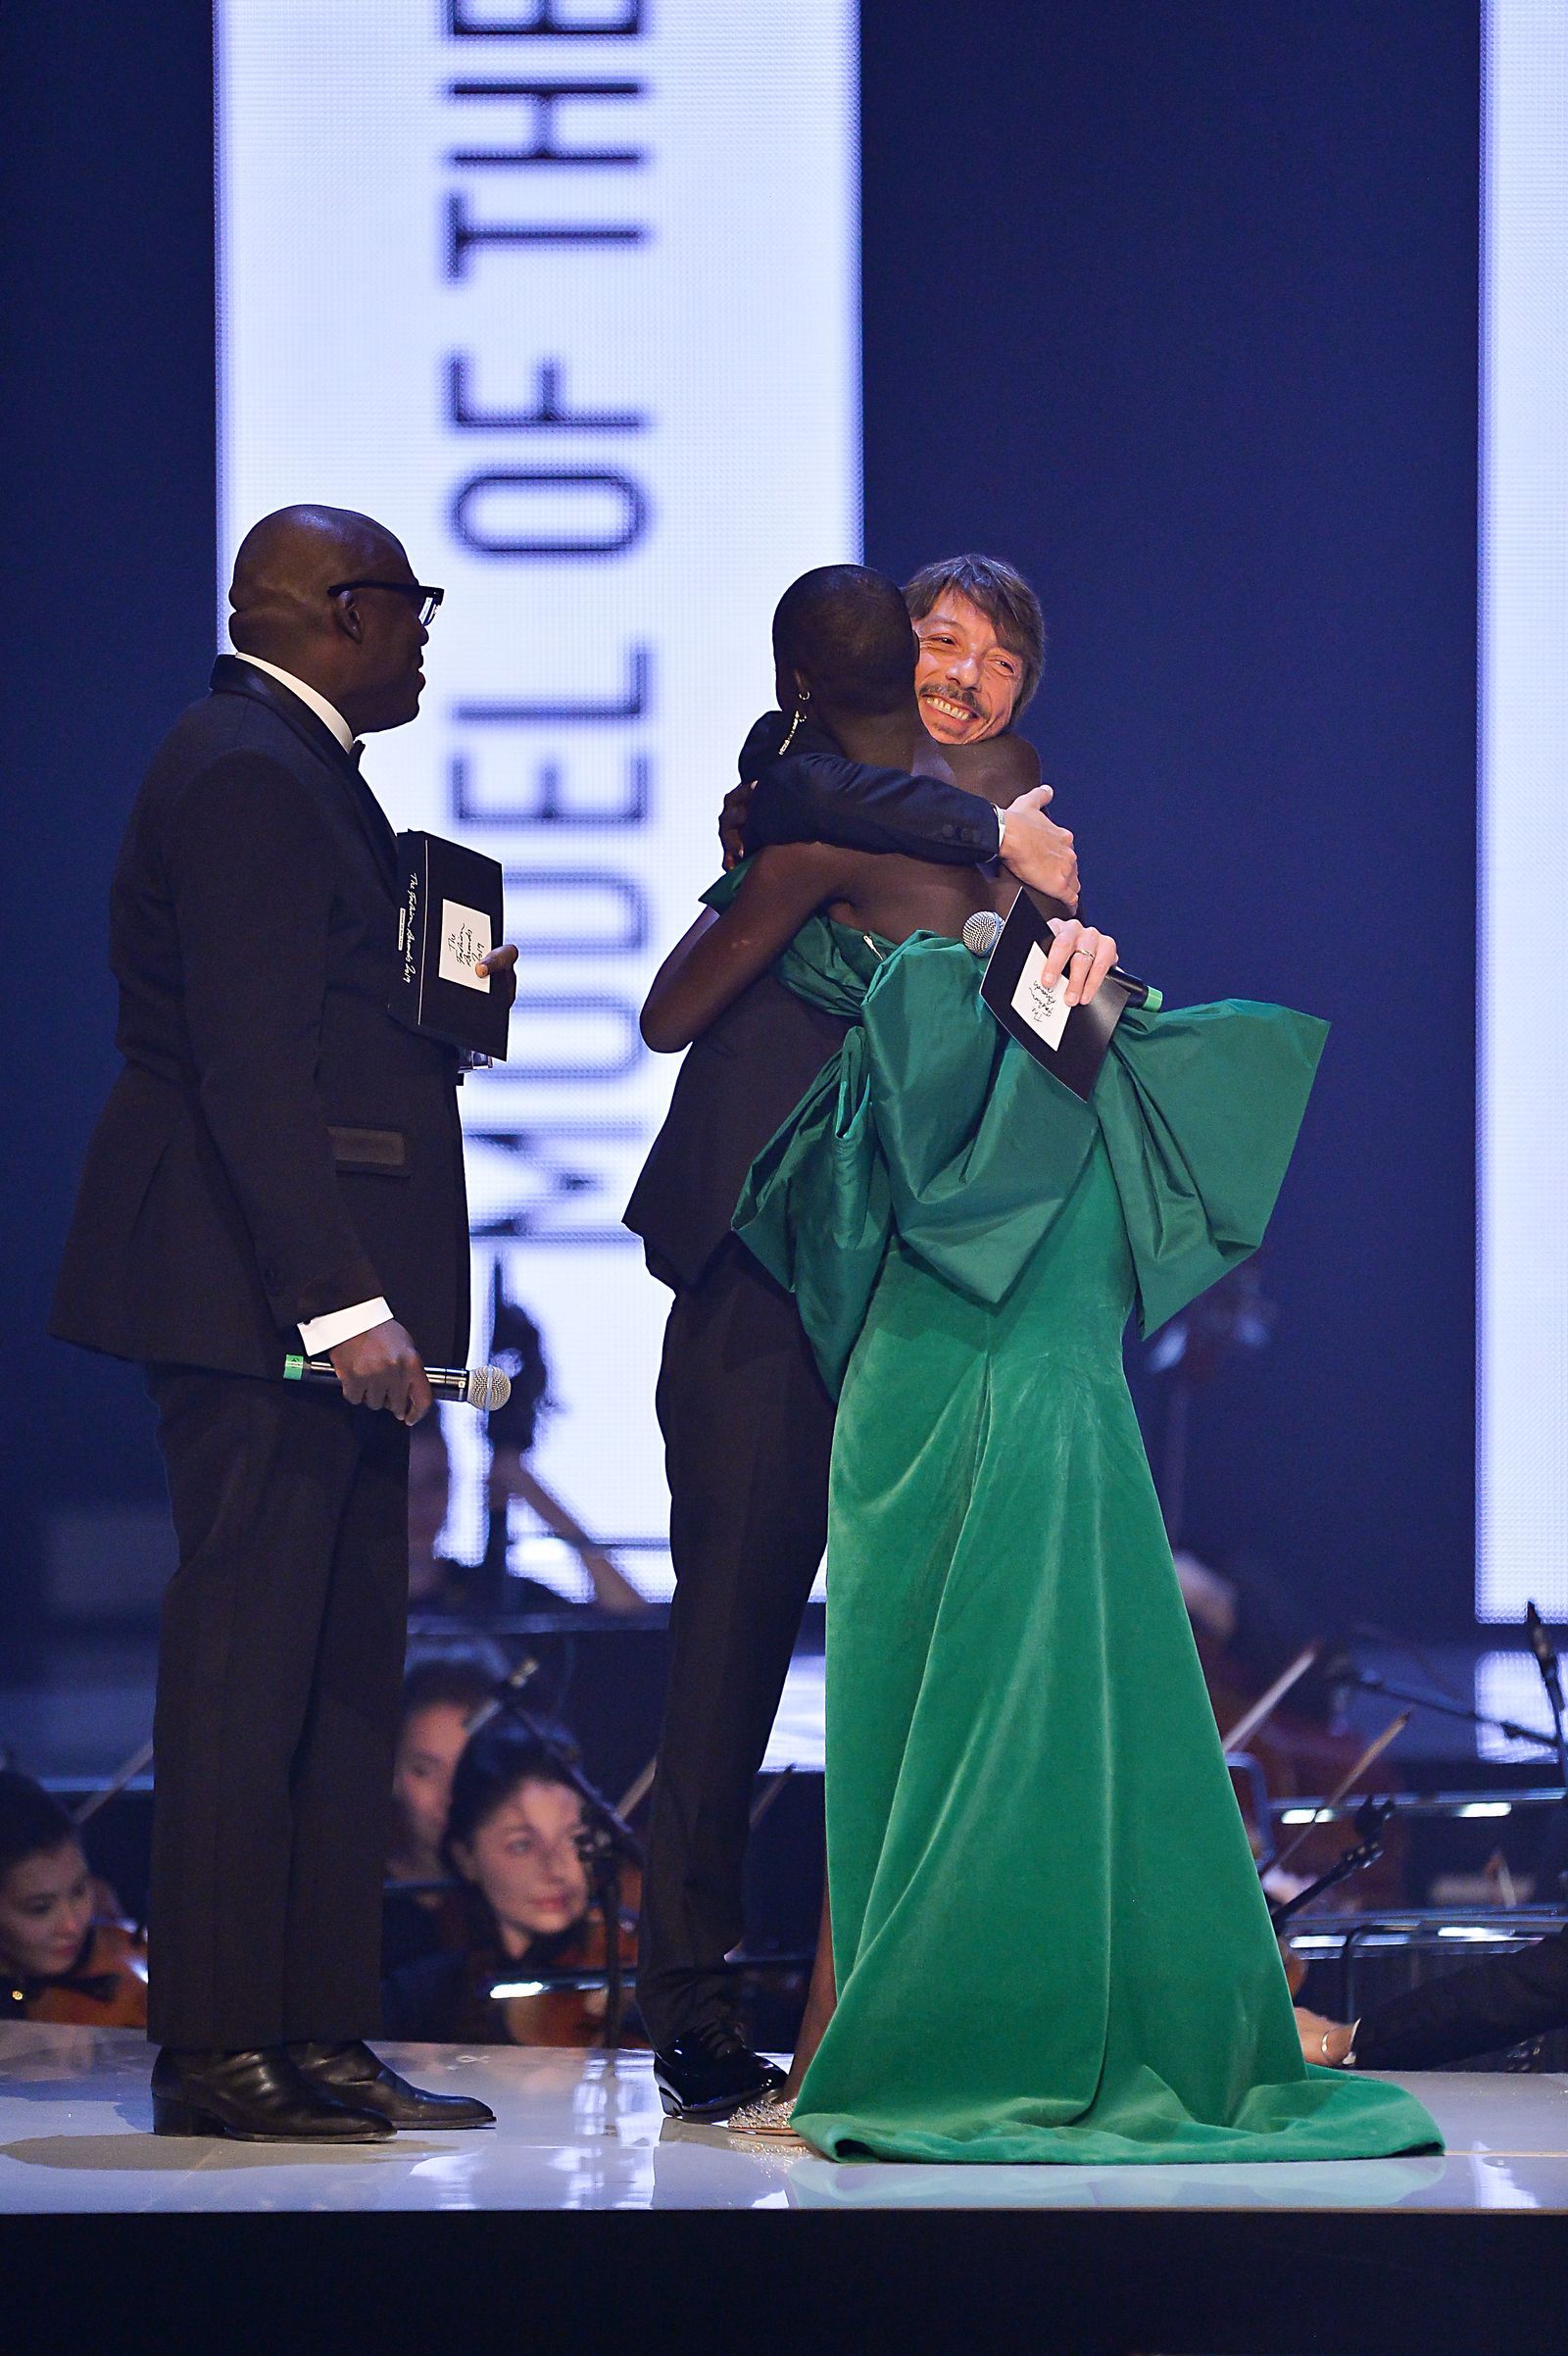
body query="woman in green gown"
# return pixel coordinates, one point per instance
(1048, 1936)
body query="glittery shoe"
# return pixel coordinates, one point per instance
(769, 2115)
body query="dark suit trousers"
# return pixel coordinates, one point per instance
(277, 1697)
(748, 1428)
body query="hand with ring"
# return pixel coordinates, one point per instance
(1085, 954)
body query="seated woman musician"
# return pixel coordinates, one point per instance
(422, 1912)
(518, 1840)
(58, 1962)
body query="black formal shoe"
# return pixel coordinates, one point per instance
(258, 2096)
(711, 2070)
(351, 2072)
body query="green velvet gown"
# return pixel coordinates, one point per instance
(1049, 1939)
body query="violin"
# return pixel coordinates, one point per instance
(575, 2016)
(1301, 1757)
(105, 1988)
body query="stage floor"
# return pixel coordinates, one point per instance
(581, 2131)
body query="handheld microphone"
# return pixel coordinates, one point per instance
(983, 930)
(483, 1387)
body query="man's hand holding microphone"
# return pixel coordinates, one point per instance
(381, 1368)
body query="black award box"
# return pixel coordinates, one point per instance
(1071, 1041)
(450, 915)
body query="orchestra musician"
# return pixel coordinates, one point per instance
(58, 1961)
(518, 1840)
(421, 1912)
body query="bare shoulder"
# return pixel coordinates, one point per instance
(799, 875)
(790, 862)
(1000, 768)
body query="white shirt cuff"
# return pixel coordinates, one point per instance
(1002, 834)
(321, 1334)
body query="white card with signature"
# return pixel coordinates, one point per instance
(465, 940)
(1042, 1006)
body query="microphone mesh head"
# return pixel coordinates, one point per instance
(488, 1388)
(982, 931)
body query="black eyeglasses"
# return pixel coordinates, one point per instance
(428, 599)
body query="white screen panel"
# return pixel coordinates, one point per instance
(564, 291)
(1522, 1484)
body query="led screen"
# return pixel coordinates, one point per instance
(1523, 1137)
(564, 291)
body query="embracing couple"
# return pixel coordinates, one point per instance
(903, 1256)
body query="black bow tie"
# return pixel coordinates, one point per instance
(357, 751)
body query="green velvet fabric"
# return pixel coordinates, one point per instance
(1050, 1938)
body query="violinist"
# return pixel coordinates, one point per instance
(57, 1962)
(421, 1912)
(517, 1839)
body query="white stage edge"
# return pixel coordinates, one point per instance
(584, 2132)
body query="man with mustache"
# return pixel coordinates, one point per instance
(747, 1423)
(982, 647)
(982, 642)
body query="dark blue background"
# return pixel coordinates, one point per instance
(1176, 308)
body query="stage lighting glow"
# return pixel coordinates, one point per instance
(566, 291)
(1508, 1686)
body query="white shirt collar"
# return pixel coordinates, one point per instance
(328, 713)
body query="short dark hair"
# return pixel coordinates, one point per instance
(846, 629)
(32, 1822)
(1003, 596)
(459, 1678)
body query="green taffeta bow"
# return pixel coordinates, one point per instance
(932, 1125)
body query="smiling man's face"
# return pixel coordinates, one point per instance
(968, 681)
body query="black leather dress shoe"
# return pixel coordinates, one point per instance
(258, 2096)
(351, 2072)
(712, 2071)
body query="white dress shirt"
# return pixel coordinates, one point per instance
(321, 1334)
(328, 713)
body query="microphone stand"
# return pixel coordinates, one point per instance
(1367, 1681)
(609, 1838)
(1555, 1845)
(1541, 1647)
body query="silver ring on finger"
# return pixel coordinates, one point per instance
(1084, 953)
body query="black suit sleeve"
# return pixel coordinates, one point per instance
(250, 873)
(1483, 2009)
(819, 796)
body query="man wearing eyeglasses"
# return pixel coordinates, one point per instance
(279, 1162)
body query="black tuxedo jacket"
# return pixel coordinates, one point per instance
(278, 1146)
(743, 1076)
